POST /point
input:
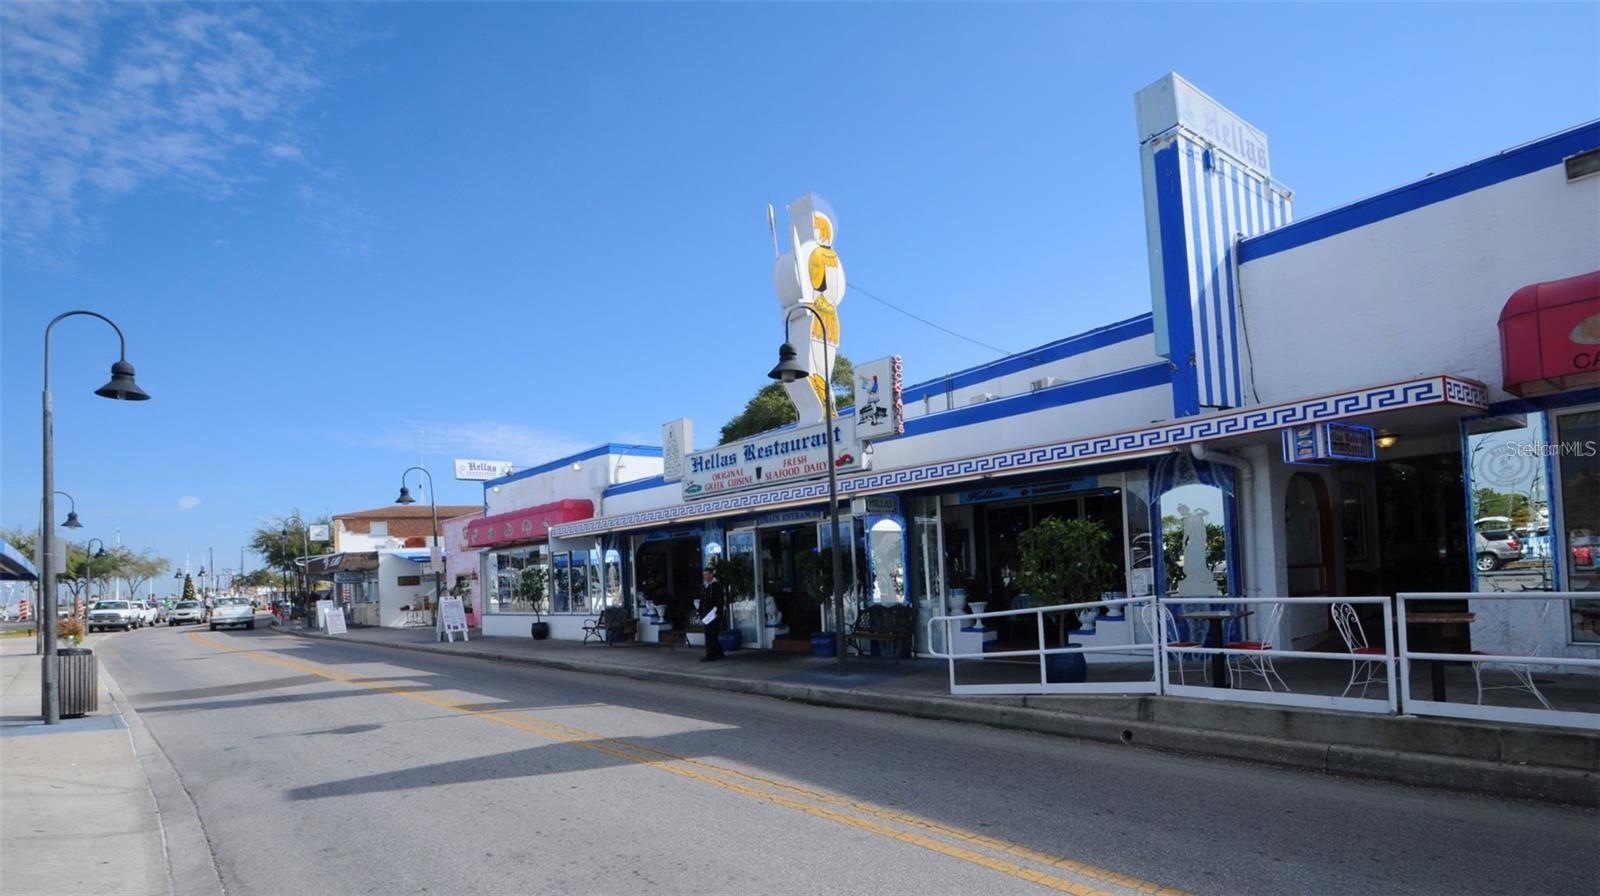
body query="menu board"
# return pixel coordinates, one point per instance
(452, 618)
(336, 621)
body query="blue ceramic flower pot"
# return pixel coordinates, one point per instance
(823, 644)
(1065, 668)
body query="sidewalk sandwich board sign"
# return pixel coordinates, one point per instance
(452, 619)
(336, 621)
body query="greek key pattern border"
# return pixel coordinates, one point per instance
(1432, 390)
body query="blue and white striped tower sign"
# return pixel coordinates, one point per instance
(1207, 181)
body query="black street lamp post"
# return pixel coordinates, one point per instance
(788, 370)
(71, 522)
(405, 498)
(121, 387)
(88, 571)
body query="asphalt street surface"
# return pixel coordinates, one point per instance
(328, 768)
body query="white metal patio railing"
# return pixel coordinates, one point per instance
(951, 626)
(1162, 656)
(1286, 696)
(1528, 656)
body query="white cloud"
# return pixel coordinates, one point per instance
(188, 502)
(102, 100)
(524, 446)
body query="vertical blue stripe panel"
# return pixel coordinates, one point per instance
(1175, 280)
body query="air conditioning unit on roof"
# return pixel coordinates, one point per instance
(1044, 383)
(981, 397)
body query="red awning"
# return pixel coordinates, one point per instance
(1550, 336)
(526, 525)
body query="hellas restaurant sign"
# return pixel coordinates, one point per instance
(771, 459)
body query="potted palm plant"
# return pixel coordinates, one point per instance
(814, 570)
(1064, 562)
(530, 588)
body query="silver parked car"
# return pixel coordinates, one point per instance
(186, 611)
(1494, 547)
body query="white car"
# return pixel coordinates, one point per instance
(186, 611)
(149, 613)
(114, 614)
(233, 611)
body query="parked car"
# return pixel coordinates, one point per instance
(1494, 548)
(186, 611)
(114, 614)
(233, 611)
(149, 612)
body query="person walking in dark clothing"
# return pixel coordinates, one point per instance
(711, 601)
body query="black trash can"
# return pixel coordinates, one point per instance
(77, 682)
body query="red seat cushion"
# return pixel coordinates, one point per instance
(1184, 644)
(1369, 650)
(1249, 645)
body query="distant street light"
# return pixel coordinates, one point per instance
(123, 388)
(88, 571)
(405, 498)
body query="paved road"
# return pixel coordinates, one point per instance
(322, 767)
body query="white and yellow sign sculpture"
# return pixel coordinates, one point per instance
(810, 274)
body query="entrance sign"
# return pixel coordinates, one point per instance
(776, 457)
(1323, 443)
(336, 621)
(452, 619)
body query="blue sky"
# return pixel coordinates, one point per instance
(524, 229)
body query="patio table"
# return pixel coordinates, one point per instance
(1214, 638)
(1431, 623)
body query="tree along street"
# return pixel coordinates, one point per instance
(321, 767)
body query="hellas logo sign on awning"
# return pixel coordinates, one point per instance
(482, 470)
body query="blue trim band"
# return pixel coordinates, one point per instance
(598, 451)
(1111, 334)
(1512, 163)
(636, 485)
(1068, 393)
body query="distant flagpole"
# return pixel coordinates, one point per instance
(772, 228)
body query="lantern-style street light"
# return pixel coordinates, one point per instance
(437, 548)
(123, 388)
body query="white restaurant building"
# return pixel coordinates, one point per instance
(1342, 403)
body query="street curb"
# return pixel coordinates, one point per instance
(191, 868)
(1568, 786)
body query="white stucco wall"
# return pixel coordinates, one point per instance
(1419, 293)
(392, 595)
(1129, 353)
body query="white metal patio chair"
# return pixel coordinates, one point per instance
(1370, 670)
(1148, 614)
(1522, 673)
(1257, 665)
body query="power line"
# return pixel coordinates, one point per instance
(856, 287)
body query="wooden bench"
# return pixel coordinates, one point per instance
(893, 624)
(611, 626)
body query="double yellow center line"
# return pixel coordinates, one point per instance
(1054, 872)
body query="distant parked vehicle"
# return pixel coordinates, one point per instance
(114, 614)
(1495, 543)
(186, 611)
(233, 611)
(149, 613)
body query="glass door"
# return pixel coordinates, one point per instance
(739, 588)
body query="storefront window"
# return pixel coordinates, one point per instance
(1507, 459)
(1578, 471)
(522, 581)
(926, 571)
(1141, 553)
(1194, 542)
(886, 539)
(561, 583)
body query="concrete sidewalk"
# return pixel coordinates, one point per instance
(90, 806)
(1546, 764)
